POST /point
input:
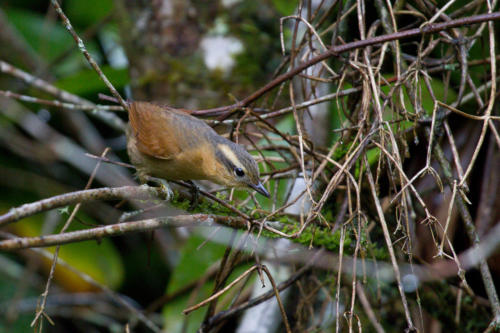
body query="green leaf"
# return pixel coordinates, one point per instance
(88, 82)
(193, 264)
(437, 87)
(12, 274)
(285, 7)
(49, 39)
(87, 13)
(100, 260)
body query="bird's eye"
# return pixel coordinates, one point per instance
(239, 172)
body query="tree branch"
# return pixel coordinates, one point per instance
(105, 193)
(121, 229)
(335, 51)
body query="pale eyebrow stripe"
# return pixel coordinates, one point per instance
(230, 155)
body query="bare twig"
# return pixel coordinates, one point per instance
(105, 193)
(87, 55)
(338, 50)
(121, 229)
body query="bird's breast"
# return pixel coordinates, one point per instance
(190, 164)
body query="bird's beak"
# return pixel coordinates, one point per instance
(261, 189)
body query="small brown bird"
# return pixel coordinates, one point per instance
(170, 144)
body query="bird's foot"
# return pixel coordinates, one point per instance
(165, 189)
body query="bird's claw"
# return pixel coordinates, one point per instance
(163, 186)
(166, 191)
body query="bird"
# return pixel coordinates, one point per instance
(168, 144)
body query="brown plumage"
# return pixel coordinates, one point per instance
(171, 144)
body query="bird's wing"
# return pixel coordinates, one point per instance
(153, 128)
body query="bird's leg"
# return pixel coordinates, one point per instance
(165, 190)
(195, 194)
(162, 183)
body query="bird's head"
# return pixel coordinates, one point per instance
(237, 168)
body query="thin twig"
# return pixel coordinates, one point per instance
(105, 193)
(87, 55)
(121, 229)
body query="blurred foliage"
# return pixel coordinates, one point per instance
(12, 273)
(103, 262)
(49, 41)
(93, 84)
(86, 13)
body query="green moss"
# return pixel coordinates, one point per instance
(284, 220)
(341, 151)
(313, 235)
(379, 252)
(207, 206)
(332, 241)
(269, 234)
(319, 237)
(204, 206)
